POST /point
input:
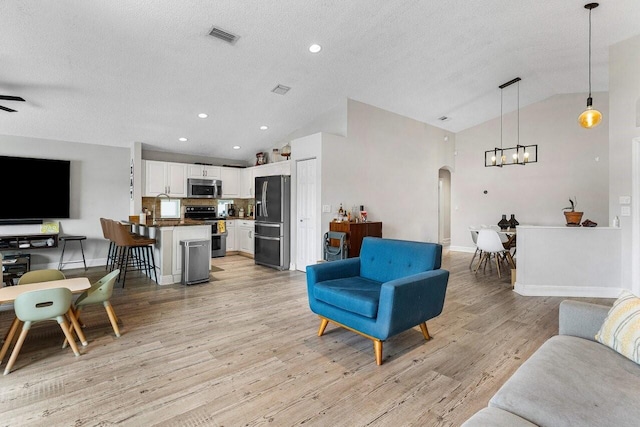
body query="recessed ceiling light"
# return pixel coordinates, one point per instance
(263, 127)
(236, 147)
(315, 48)
(203, 115)
(182, 139)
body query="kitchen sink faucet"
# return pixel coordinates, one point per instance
(155, 201)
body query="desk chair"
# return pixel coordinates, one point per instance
(34, 276)
(99, 293)
(37, 306)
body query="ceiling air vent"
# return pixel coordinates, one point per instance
(280, 89)
(444, 118)
(221, 34)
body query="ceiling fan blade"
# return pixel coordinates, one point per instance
(11, 98)
(7, 109)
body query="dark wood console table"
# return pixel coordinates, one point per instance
(356, 231)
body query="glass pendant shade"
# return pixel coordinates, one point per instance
(590, 117)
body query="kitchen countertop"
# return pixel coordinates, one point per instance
(169, 223)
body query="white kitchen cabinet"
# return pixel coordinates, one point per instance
(231, 234)
(230, 182)
(277, 168)
(244, 232)
(203, 171)
(247, 181)
(165, 177)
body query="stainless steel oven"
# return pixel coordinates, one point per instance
(208, 215)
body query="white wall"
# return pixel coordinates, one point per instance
(572, 162)
(99, 188)
(624, 90)
(388, 163)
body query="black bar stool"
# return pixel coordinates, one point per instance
(69, 238)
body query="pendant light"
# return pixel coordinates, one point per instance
(590, 117)
(518, 155)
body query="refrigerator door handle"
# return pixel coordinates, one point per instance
(264, 198)
(262, 224)
(257, 236)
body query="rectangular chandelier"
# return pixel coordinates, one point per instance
(518, 155)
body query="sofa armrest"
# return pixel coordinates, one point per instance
(581, 319)
(411, 300)
(333, 270)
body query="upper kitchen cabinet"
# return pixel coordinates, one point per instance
(165, 177)
(203, 171)
(247, 182)
(277, 168)
(230, 182)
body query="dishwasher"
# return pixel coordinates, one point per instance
(196, 261)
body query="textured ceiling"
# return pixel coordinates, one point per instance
(115, 72)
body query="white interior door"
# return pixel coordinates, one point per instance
(307, 242)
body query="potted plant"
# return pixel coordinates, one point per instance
(573, 218)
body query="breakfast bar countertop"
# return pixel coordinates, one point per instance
(168, 222)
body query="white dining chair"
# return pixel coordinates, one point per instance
(474, 236)
(490, 244)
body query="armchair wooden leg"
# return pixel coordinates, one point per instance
(323, 325)
(377, 348)
(425, 331)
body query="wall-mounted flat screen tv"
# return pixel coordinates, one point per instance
(34, 189)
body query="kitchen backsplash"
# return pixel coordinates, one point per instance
(147, 202)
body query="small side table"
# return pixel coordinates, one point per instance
(70, 238)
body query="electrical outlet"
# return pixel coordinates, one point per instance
(625, 211)
(625, 200)
(326, 208)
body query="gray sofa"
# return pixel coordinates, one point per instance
(571, 380)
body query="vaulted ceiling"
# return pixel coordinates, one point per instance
(115, 72)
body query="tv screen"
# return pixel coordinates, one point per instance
(34, 189)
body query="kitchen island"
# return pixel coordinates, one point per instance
(569, 261)
(167, 250)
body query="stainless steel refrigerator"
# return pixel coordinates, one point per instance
(272, 225)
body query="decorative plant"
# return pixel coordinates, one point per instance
(574, 203)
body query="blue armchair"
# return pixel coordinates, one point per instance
(393, 286)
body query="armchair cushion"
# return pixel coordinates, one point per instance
(354, 294)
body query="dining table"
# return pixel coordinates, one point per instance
(511, 234)
(8, 294)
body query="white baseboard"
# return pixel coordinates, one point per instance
(462, 249)
(567, 291)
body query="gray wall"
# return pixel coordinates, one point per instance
(572, 162)
(99, 188)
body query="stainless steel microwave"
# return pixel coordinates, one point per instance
(204, 188)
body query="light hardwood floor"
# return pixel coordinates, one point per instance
(242, 350)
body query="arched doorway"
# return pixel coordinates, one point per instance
(444, 207)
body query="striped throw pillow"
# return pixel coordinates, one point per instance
(621, 328)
